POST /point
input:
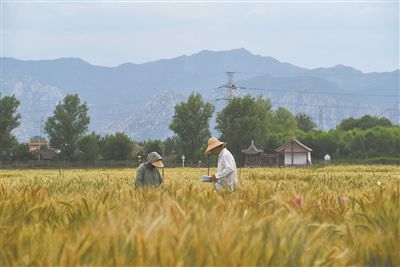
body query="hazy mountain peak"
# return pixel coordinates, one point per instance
(64, 60)
(337, 69)
(127, 65)
(109, 89)
(233, 52)
(343, 68)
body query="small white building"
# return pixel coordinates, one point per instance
(293, 153)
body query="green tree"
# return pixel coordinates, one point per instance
(67, 125)
(283, 121)
(305, 122)
(89, 146)
(365, 122)
(116, 146)
(273, 141)
(170, 145)
(9, 120)
(347, 124)
(21, 152)
(152, 145)
(375, 142)
(191, 125)
(321, 143)
(242, 120)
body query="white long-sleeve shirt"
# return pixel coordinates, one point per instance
(226, 170)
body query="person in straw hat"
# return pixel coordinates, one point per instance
(226, 175)
(147, 174)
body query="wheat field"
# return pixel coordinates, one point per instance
(328, 216)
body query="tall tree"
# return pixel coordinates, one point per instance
(305, 122)
(284, 121)
(22, 152)
(116, 147)
(170, 145)
(89, 146)
(67, 125)
(152, 145)
(9, 120)
(191, 125)
(242, 120)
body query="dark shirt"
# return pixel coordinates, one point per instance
(147, 175)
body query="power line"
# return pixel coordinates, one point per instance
(315, 92)
(22, 112)
(334, 107)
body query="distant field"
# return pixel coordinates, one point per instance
(279, 217)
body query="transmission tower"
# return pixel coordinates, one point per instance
(320, 118)
(231, 88)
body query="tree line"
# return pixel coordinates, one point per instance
(242, 120)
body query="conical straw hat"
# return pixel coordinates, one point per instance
(213, 143)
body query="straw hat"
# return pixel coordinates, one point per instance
(158, 164)
(213, 143)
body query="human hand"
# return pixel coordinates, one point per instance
(213, 178)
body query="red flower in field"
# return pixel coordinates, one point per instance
(297, 201)
(344, 198)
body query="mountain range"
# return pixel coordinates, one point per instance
(139, 99)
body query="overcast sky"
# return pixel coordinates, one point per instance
(311, 34)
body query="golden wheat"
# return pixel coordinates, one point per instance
(279, 217)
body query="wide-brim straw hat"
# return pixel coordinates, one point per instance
(158, 164)
(213, 143)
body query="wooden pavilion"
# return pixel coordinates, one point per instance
(252, 152)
